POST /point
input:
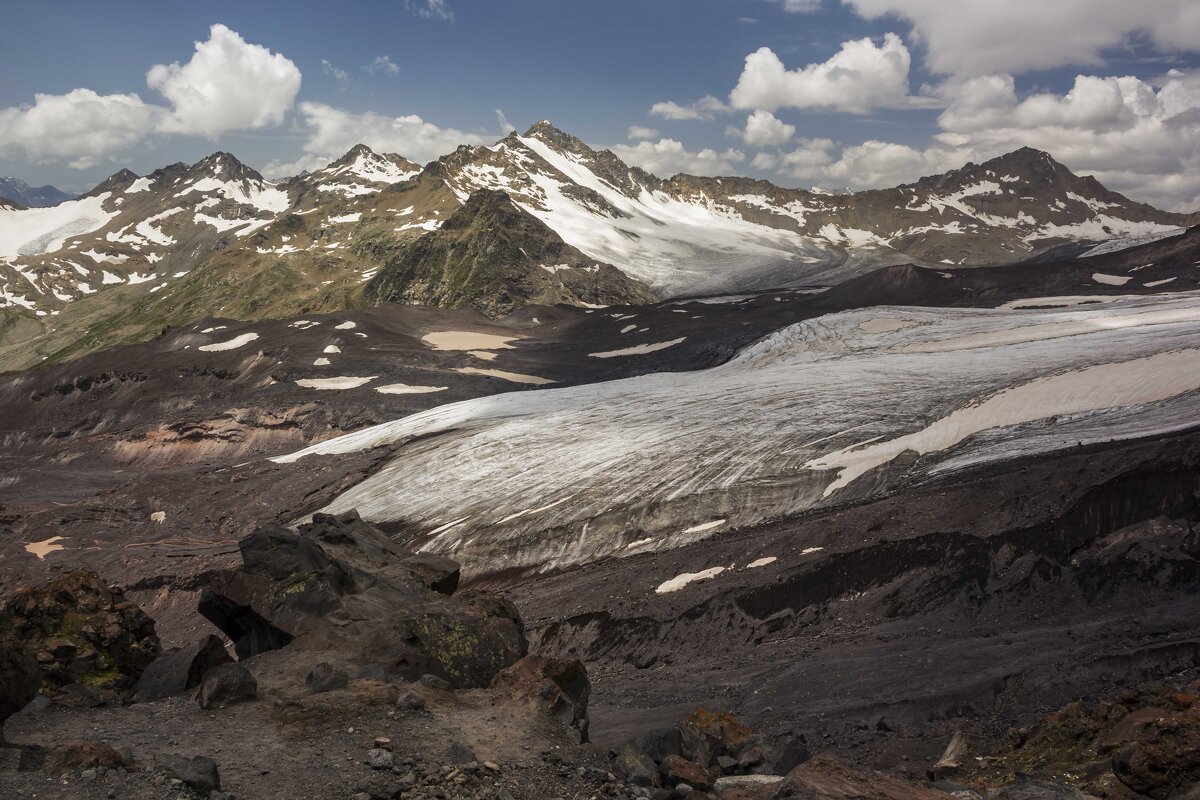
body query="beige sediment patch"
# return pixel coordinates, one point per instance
(482, 354)
(404, 388)
(45, 547)
(515, 377)
(468, 340)
(344, 382)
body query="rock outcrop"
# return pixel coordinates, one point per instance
(342, 587)
(82, 633)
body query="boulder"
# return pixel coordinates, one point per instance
(1165, 758)
(557, 686)
(178, 671)
(660, 743)
(677, 769)
(199, 773)
(19, 678)
(325, 678)
(345, 587)
(637, 768)
(225, 685)
(705, 735)
(438, 573)
(82, 631)
(829, 778)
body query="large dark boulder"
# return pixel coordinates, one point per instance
(19, 678)
(199, 772)
(82, 631)
(180, 670)
(339, 584)
(225, 685)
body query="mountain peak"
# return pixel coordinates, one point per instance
(359, 150)
(225, 166)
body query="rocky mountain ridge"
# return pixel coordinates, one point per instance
(137, 254)
(18, 191)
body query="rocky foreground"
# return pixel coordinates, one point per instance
(362, 671)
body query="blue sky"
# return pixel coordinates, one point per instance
(975, 82)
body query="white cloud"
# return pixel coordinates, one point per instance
(859, 77)
(798, 6)
(764, 161)
(506, 127)
(382, 64)
(808, 159)
(975, 37)
(430, 9)
(332, 131)
(228, 85)
(667, 157)
(764, 129)
(875, 163)
(638, 132)
(706, 107)
(338, 74)
(1136, 137)
(81, 127)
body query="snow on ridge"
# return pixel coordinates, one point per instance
(34, 231)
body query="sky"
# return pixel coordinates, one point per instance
(831, 93)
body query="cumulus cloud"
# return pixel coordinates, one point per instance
(764, 161)
(1137, 137)
(382, 65)
(228, 84)
(976, 37)
(638, 132)
(80, 127)
(667, 157)
(332, 131)
(706, 107)
(764, 129)
(809, 159)
(430, 9)
(859, 77)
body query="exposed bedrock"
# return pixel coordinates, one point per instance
(982, 599)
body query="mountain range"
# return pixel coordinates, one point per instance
(538, 218)
(21, 193)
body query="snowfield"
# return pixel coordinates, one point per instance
(793, 422)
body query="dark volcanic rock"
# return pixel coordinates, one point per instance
(199, 773)
(325, 678)
(225, 685)
(179, 670)
(677, 769)
(19, 678)
(339, 584)
(439, 573)
(558, 686)
(82, 631)
(708, 735)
